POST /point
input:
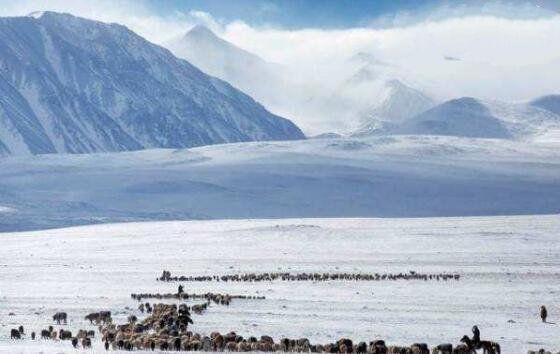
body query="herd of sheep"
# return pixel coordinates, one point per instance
(220, 299)
(166, 328)
(286, 276)
(165, 325)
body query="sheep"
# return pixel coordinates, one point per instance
(45, 334)
(445, 348)
(15, 334)
(285, 276)
(463, 349)
(86, 342)
(231, 346)
(64, 335)
(32, 335)
(378, 347)
(92, 317)
(218, 341)
(60, 317)
(544, 313)
(419, 348)
(489, 347)
(396, 349)
(74, 342)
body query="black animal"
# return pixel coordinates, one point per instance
(32, 335)
(361, 348)
(74, 342)
(63, 335)
(14, 334)
(420, 348)
(86, 342)
(60, 317)
(445, 348)
(21, 331)
(544, 313)
(489, 347)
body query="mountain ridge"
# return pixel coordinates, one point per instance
(75, 85)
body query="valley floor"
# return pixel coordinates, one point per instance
(510, 266)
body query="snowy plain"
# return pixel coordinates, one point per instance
(382, 176)
(510, 265)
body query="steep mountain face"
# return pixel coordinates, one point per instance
(72, 85)
(400, 103)
(220, 58)
(469, 117)
(550, 103)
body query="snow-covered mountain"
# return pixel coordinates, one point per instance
(73, 85)
(470, 117)
(549, 102)
(220, 58)
(400, 103)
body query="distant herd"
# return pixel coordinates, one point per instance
(165, 325)
(219, 299)
(286, 276)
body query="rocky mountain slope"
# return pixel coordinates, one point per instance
(71, 85)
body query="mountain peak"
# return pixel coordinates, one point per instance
(464, 116)
(201, 30)
(101, 87)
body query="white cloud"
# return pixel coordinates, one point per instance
(133, 14)
(500, 58)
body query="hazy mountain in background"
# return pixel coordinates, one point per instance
(400, 103)
(73, 85)
(549, 102)
(220, 58)
(470, 117)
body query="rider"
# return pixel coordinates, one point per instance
(476, 335)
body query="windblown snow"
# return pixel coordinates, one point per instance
(509, 267)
